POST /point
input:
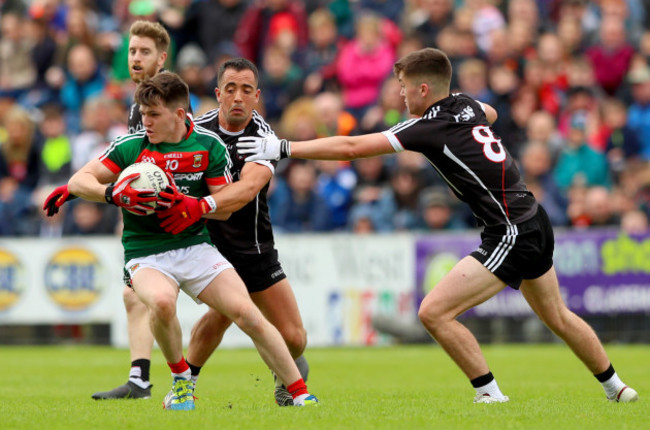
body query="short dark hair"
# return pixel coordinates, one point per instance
(152, 30)
(238, 64)
(166, 88)
(429, 64)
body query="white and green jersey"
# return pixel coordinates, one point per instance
(199, 160)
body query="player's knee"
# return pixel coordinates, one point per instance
(131, 300)
(248, 318)
(296, 340)
(428, 315)
(163, 307)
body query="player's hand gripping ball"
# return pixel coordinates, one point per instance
(137, 188)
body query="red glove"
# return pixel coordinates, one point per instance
(170, 195)
(56, 199)
(135, 201)
(186, 212)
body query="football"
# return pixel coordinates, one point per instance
(151, 177)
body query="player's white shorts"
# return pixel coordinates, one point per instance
(193, 268)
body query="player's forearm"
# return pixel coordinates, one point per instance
(342, 147)
(327, 148)
(234, 196)
(86, 186)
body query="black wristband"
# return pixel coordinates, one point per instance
(108, 195)
(285, 149)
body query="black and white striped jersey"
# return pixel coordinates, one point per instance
(249, 230)
(455, 136)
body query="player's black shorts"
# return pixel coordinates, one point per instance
(517, 252)
(258, 271)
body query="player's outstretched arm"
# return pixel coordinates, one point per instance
(327, 148)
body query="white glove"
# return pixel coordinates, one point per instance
(268, 147)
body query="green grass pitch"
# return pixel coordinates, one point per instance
(401, 387)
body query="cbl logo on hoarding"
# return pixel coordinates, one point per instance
(73, 278)
(12, 282)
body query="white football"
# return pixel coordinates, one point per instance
(151, 177)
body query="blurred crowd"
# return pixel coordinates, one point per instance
(570, 80)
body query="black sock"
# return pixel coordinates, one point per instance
(144, 366)
(195, 369)
(482, 380)
(602, 377)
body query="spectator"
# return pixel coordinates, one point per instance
(569, 32)
(503, 82)
(580, 11)
(598, 208)
(472, 80)
(302, 208)
(390, 10)
(264, 21)
(639, 111)
(300, 120)
(217, 21)
(99, 128)
(363, 65)
(526, 11)
(578, 162)
(361, 220)
(91, 219)
(190, 62)
(485, 18)
(334, 121)
(388, 111)
(439, 14)
(512, 129)
(19, 172)
(436, 211)
(622, 144)
(372, 176)
(541, 128)
(321, 53)
(635, 222)
(537, 172)
(17, 70)
(553, 82)
(579, 99)
(397, 207)
(43, 56)
(280, 81)
(56, 155)
(85, 80)
(79, 31)
(611, 57)
(335, 182)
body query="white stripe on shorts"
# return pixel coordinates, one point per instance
(503, 249)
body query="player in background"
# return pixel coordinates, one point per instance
(184, 258)
(453, 132)
(148, 46)
(246, 238)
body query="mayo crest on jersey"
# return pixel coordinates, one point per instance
(248, 230)
(456, 138)
(199, 160)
